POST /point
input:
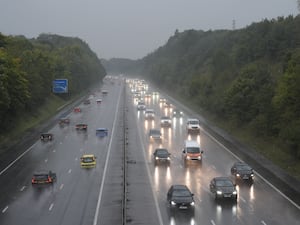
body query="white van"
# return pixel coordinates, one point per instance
(191, 151)
(193, 126)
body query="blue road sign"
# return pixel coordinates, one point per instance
(60, 86)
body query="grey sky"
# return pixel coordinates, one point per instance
(132, 28)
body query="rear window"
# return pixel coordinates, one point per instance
(88, 159)
(41, 177)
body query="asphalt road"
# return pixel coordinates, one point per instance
(126, 187)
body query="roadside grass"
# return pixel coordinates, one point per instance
(30, 120)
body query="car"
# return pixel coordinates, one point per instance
(223, 188)
(88, 161)
(149, 114)
(191, 151)
(98, 101)
(77, 110)
(147, 96)
(104, 92)
(81, 126)
(165, 121)
(180, 197)
(46, 137)
(43, 177)
(161, 155)
(177, 113)
(155, 93)
(101, 132)
(155, 134)
(141, 106)
(87, 102)
(168, 105)
(242, 171)
(64, 121)
(192, 125)
(162, 100)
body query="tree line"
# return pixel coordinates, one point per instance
(248, 77)
(28, 67)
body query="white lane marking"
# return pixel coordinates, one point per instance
(60, 143)
(212, 222)
(263, 222)
(150, 179)
(54, 150)
(51, 206)
(19, 157)
(23, 188)
(241, 198)
(70, 171)
(5, 209)
(76, 159)
(46, 160)
(81, 149)
(260, 176)
(106, 164)
(61, 186)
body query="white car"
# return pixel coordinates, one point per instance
(165, 121)
(149, 114)
(193, 125)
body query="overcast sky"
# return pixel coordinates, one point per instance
(132, 28)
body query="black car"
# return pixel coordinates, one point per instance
(161, 155)
(242, 171)
(46, 137)
(223, 188)
(43, 177)
(180, 197)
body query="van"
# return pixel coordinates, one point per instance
(191, 151)
(193, 126)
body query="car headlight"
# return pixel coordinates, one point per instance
(156, 158)
(188, 157)
(173, 203)
(252, 175)
(237, 175)
(199, 157)
(234, 193)
(219, 192)
(192, 203)
(168, 158)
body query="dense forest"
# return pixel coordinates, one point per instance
(248, 77)
(28, 67)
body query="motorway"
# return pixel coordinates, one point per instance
(126, 187)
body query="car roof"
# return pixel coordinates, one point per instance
(101, 129)
(88, 155)
(222, 178)
(165, 117)
(191, 143)
(192, 119)
(161, 149)
(41, 172)
(179, 187)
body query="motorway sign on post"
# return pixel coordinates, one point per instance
(60, 86)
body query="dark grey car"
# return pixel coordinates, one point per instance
(161, 155)
(223, 188)
(242, 171)
(180, 198)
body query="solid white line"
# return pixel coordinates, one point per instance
(19, 157)
(5, 209)
(106, 164)
(212, 222)
(51, 206)
(61, 186)
(265, 180)
(263, 222)
(150, 179)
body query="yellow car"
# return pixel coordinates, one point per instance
(88, 161)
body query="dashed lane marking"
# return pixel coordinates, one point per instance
(5, 209)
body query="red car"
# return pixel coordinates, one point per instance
(77, 110)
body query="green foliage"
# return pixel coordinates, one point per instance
(28, 67)
(248, 77)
